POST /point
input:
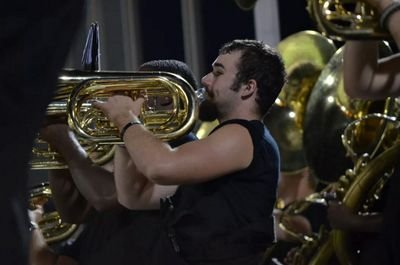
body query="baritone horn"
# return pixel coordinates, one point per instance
(169, 111)
(346, 19)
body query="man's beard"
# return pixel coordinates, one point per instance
(208, 111)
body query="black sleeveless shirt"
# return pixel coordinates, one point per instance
(230, 216)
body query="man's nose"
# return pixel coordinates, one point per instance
(205, 80)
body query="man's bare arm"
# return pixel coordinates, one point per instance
(134, 190)
(85, 181)
(366, 76)
(227, 150)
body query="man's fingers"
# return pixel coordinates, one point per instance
(98, 104)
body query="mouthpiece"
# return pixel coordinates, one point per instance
(201, 94)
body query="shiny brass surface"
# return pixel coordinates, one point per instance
(52, 227)
(370, 135)
(329, 111)
(303, 64)
(166, 122)
(343, 20)
(169, 111)
(205, 128)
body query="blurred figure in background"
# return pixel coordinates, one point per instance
(34, 42)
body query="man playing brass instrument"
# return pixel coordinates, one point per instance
(221, 212)
(216, 195)
(85, 193)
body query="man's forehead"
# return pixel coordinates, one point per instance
(227, 60)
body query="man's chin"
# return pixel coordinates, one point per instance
(207, 111)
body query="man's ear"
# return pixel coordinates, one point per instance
(249, 89)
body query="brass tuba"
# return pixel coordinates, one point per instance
(329, 103)
(373, 143)
(343, 20)
(169, 111)
(378, 153)
(329, 110)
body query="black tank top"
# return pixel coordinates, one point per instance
(232, 215)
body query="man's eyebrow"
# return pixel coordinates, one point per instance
(218, 65)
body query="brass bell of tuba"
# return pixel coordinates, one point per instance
(342, 20)
(303, 64)
(169, 111)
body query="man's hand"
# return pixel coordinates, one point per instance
(55, 134)
(293, 257)
(120, 109)
(36, 215)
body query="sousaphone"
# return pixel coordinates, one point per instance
(329, 111)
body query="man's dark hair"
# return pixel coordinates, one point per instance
(171, 66)
(262, 63)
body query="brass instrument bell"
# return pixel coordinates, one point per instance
(303, 64)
